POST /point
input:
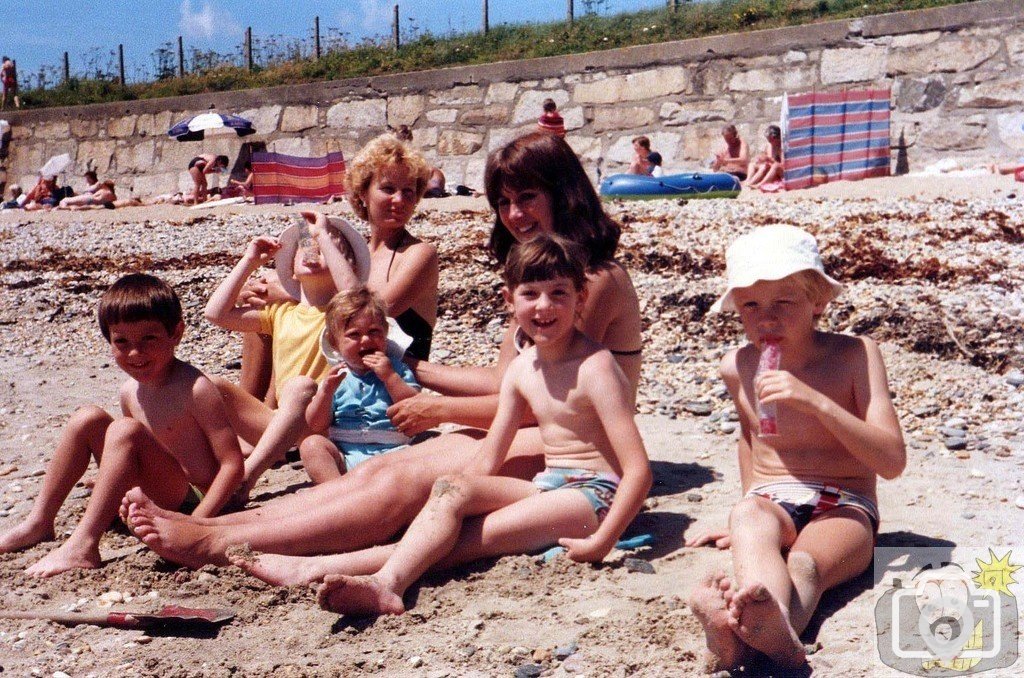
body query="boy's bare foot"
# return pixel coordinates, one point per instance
(361, 596)
(710, 605)
(25, 534)
(759, 621)
(276, 569)
(68, 556)
(179, 541)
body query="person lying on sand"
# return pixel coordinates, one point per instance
(597, 473)
(809, 469)
(174, 437)
(100, 197)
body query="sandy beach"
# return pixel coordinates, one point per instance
(933, 272)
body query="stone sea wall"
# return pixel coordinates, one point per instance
(957, 76)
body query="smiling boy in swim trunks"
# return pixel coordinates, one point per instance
(810, 489)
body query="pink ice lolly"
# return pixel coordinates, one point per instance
(771, 356)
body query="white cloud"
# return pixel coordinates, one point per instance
(373, 17)
(206, 22)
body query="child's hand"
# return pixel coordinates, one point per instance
(380, 364)
(779, 386)
(334, 377)
(589, 550)
(262, 249)
(720, 538)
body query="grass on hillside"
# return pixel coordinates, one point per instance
(503, 43)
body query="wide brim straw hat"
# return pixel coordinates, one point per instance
(770, 253)
(284, 260)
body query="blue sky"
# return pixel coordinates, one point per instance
(95, 28)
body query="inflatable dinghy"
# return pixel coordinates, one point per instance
(689, 185)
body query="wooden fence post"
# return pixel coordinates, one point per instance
(486, 24)
(316, 36)
(181, 57)
(568, 11)
(395, 29)
(120, 63)
(248, 48)
(67, 68)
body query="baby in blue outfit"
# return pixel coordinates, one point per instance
(348, 414)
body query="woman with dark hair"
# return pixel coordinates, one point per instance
(536, 184)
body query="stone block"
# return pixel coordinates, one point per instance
(499, 136)
(451, 142)
(175, 154)
(454, 170)
(531, 104)
(460, 95)
(99, 151)
(122, 127)
(473, 176)
(28, 157)
(754, 80)
(551, 83)
(946, 135)
(993, 94)
(700, 142)
(300, 146)
(265, 119)
(946, 56)
(914, 39)
(501, 93)
(587, 148)
(443, 116)
(139, 157)
(495, 114)
(57, 130)
(794, 57)
(619, 117)
(649, 84)
(573, 118)
(359, 114)
(916, 95)
(406, 110)
(425, 137)
(87, 128)
(799, 78)
(1015, 48)
(864, 64)
(21, 132)
(299, 118)
(1009, 128)
(154, 124)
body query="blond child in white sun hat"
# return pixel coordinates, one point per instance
(807, 518)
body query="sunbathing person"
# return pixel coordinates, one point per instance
(528, 182)
(42, 195)
(641, 160)
(735, 157)
(767, 167)
(240, 188)
(100, 197)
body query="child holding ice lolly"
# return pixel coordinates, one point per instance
(808, 515)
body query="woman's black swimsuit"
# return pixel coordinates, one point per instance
(411, 322)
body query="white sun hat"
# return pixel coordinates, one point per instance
(284, 260)
(770, 253)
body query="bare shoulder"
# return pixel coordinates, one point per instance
(733, 362)
(610, 280)
(853, 350)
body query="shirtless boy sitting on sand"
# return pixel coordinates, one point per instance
(808, 490)
(174, 438)
(597, 473)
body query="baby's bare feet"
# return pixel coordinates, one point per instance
(709, 604)
(759, 621)
(360, 596)
(25, 534)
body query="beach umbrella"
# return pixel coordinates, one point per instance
(198, 127)
(55, 165)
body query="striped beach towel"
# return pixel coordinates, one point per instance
(835, 136)
(280, 178)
